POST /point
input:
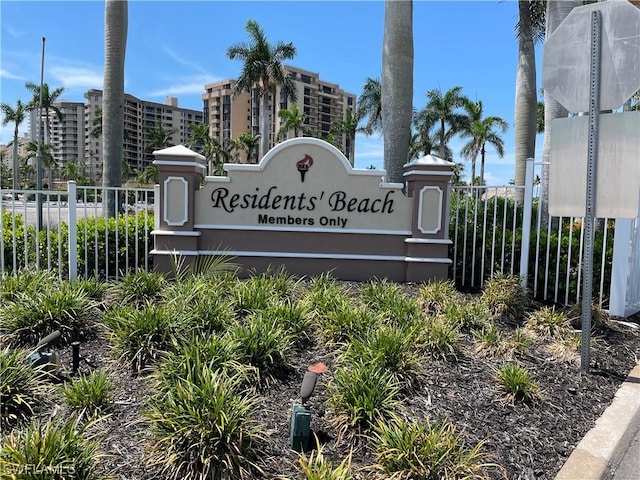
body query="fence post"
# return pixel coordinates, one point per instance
(526, 223)
(72, 192)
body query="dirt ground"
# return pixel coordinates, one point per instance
(525, 441)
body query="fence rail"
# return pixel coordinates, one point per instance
(491, 232)
(38, 225)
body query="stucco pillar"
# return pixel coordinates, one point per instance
(428, 184)
(180, 172)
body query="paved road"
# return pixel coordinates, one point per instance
(629, 468)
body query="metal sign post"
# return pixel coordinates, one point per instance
(592, 154)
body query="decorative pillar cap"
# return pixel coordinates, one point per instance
(428, 164)
(178, 152)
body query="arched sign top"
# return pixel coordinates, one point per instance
(305, 144)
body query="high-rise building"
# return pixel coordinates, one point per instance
(320, 101)
(139, 116)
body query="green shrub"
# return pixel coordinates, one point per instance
(292, 317)
(263, 344)
(389, 300)
(326, 296)
(516, 383)
(139, 337)
(439, 337)
(22, 387)
(252, 295)
(346, 323)
(317, 467)
(140, 287)
(391, 349)
(101, 256)
(188, 359)
(93, 287)
(466, 315)
(199, 305)
(504, 295)
(435, 296)
(34, 315)
(360, 395)
(547, 322)
(58, 450)
(204, 429)
(422, 451)
(25, 281)
(91, 393)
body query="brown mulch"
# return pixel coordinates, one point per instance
(525, 441)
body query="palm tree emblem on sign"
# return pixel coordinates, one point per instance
(303, 165)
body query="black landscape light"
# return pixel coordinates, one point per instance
(300, 412)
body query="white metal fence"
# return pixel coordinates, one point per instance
(38, 228)
(491, 233)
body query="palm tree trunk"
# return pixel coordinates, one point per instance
(557, 11)
(473, 169)
(482, 153)
(264, 126)
(116, 21)
(526, 99)
(397, 85)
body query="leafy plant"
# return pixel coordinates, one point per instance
(22, 387)
(25, 281)
(504, 295)
(391, 349)
(516, 383)
(34, 315)
(437, 295)
(199, 305)
(439, 337)
(139, 336)
(317, 467)
(203, 266)
(203, 429)
(547, 322)
(140, 287)
(466, 315)
(389, 300)
(345, 323)
(326, 296)
(263, 344)
(51, 450)
(425, 451)
(91, 393)
(360, 395)
(93, 287)
(188, 359)
(292, 317)
(252, 295)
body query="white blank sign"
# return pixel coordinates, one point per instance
(617, 168)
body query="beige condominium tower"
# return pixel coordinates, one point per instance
(320, 101)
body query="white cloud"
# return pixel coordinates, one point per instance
(78, 77)
(6, 74)
(172, 53)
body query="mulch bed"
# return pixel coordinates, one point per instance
(525, 441)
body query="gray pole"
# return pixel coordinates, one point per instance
(592, 157)
(39, 150)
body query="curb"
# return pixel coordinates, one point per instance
(603, 447)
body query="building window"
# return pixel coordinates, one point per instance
(349, 100)
(305, 78)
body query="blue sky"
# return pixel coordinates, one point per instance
(174, 48)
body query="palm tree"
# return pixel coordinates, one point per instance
(263, 69)
(426, 145)
(246, 142)
(481, 131)
(529, 29)
(158, 137)
(115, 45)
(397, 86)
(48, 161)
(17, 116)
(70, 169)
(349, 127)
(443, 112)
(49, 99)
(293, 119)
(370, 105)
